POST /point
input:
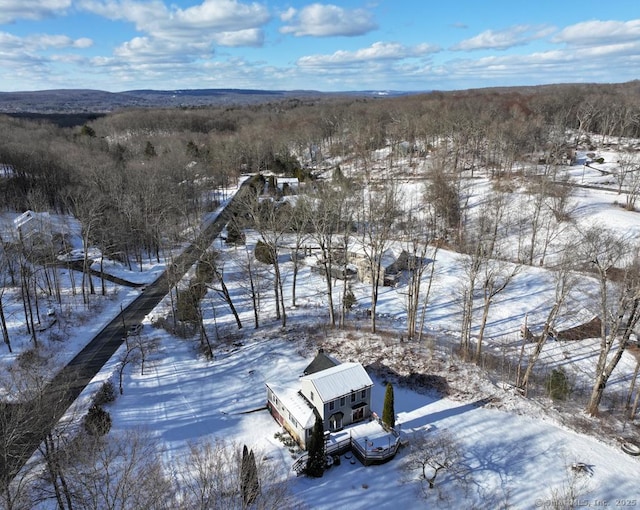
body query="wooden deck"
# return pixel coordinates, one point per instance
(369, 442)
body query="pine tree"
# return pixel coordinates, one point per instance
(316, 459)
(557, 385)
(264, 253)
(97, 422)
(389, 412)
(234, 234)
(249, 484)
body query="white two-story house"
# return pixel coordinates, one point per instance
(340, 393)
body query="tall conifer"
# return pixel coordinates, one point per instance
(316, 459)
(389, 412)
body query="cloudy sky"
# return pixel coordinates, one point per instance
(408, 45)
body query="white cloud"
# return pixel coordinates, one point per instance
(83, 42)
(379, 51)
(501, 39)
(29, 68)
(12, 10)
(203, 21)
(604, 63)
(32, 43)
(224, 15)
(327, 20)
(45, 41)
(288, 15)
(248, 37)
(174, 34)
(589, 33)
(144, 50)
(9, 42)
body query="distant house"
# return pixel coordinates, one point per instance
(338, 271)
(43, 234)
(291, 184)
(36, 230)
(29, 223)
(340, 393)
(392, 262)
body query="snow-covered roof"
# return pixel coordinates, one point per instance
(24, 218)
(287, 180)
(389, 256)
(339, 380)
(295, 403)
(42, 219)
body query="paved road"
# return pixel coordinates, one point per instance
(24, 427)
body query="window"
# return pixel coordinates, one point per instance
(332, 405)
(363, 393)
(343, 401)
(353, 397)
(311, 394)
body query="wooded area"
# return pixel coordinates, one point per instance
(138, 180)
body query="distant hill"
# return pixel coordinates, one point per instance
(86, 101)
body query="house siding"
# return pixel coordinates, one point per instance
(347, 409)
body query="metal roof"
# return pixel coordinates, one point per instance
(340, 380)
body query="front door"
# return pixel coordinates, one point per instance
(335, 422)
(358, 414)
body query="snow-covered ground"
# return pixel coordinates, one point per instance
(518, 451)
(516, 454)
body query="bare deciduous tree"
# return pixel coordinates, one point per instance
(438, 457)
(328, 223)
(619, 300)
(377, 216)
(628, 177)
(271, 224)
(211, 259)
(118, 471)
(481, 242)
(496, 276)
(4, 265)
(300, 225)
(210, 478)
(564, 280)
(419, 238)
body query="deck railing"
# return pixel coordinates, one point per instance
(375, 455)
(366, 455)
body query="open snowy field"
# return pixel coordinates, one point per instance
(515, 458)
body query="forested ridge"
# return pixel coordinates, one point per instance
(137, 173)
